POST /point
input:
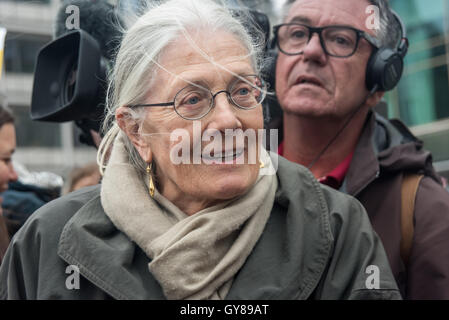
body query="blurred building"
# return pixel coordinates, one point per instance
(40, 145)
(422, 97)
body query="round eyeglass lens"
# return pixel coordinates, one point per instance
(193, 102)
(248, 92)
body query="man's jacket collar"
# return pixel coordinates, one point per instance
(385, 147)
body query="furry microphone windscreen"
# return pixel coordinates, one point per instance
(98, 18)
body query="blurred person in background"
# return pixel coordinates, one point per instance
(7, 172)
(28, 193)
(22, 191)
(88, 175)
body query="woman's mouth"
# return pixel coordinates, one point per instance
(228, 156)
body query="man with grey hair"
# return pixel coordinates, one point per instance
(325, 90)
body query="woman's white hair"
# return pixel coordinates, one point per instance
(136, 62)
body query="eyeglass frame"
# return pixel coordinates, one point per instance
(312, 30)
(212, 103)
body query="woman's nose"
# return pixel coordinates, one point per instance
(224, 114)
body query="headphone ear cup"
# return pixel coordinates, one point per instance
(269, 68)
(371, 77)
(272, 108)
(393, 71)
(384, 69)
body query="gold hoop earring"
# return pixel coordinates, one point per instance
(150, 177)
(261, 164)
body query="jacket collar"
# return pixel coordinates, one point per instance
(299, 222)
(105, 256)
(385, 147)
(364, 166)
(111, 261)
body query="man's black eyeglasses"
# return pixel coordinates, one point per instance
(336, 41)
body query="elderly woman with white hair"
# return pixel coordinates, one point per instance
(181, 214)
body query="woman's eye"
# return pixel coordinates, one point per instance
(193, 100)
(243, 91)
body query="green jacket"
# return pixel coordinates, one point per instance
(317, 244)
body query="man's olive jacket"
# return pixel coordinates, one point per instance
(317, 244)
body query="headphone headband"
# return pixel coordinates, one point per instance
(385, 66)
(402, 47)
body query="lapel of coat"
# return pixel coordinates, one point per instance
(105, 256)
(364, 167)
(292, 254)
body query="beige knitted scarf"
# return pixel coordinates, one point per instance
(192, 257)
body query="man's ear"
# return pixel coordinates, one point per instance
(131, 128)
(374, 99)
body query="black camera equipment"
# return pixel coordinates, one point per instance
(69, 82)
(70, 74)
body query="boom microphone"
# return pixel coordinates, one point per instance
(98, 18)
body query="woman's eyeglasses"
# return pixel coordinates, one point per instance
(194, 102)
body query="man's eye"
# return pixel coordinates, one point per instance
(299, 34)
(341, 41)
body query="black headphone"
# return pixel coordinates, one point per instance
(385, 65)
